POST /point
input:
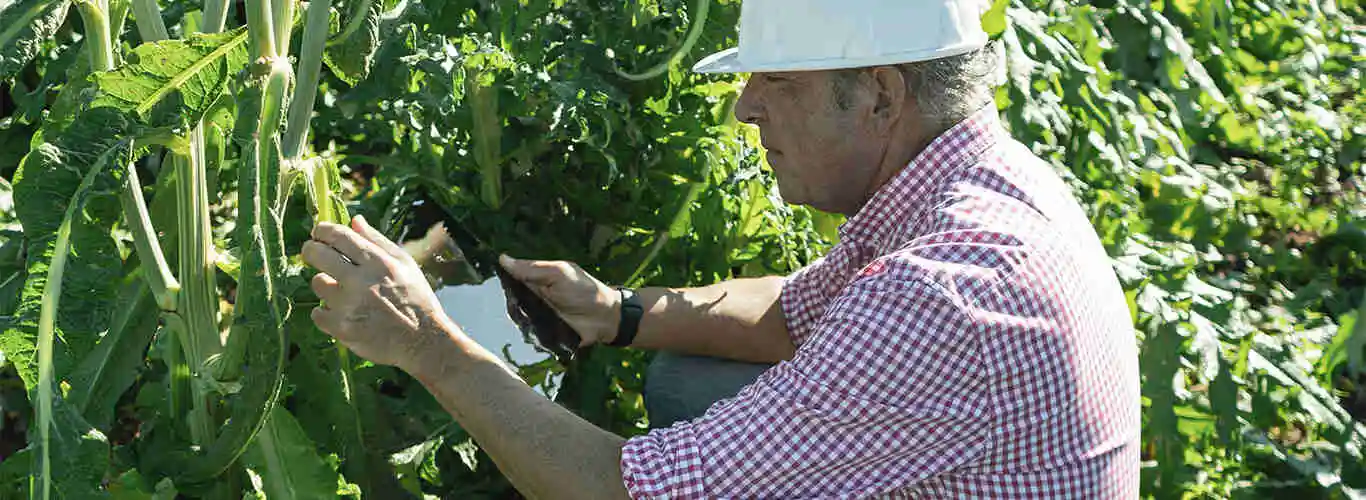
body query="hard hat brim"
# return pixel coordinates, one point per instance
(728, 61)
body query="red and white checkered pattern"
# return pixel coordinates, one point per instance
(966, 338)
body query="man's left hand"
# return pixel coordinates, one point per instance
(376, 300)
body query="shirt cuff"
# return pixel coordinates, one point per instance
(666, 463)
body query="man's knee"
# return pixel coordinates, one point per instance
(680, 387)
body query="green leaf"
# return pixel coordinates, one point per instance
(103, 376)
(69, 292)
(342, 417)
(13, 272)
(80, 454)
(1224, 402)
(351, 55)
(15, 473)
(44, 187)
(73, 97)
(288, 461)
(196, 70)
(1348, 346)
(24, 26)
(994, 20)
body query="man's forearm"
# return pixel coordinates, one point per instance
(546, 451)
(738, 319)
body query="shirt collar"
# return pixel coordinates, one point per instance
(905, 197)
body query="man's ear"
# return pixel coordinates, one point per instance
(891, 94)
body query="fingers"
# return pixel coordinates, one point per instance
(536, 272)
(327, 320)
(362, 226)
(325, 287)
(348, 242)
(328, 260)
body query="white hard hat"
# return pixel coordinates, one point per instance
(809, 35)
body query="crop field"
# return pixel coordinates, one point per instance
(162, 162)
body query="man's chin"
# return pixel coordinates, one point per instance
(792, 195)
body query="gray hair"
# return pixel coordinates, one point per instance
(946, 90)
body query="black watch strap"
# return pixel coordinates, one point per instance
(631, 312)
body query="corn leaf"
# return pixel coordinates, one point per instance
(24, 26)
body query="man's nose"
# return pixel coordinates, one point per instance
(747, 109)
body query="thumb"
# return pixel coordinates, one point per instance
(540, 272)
(359, 224)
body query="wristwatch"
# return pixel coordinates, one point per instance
(631, 312)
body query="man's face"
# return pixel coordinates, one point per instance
(819, 141)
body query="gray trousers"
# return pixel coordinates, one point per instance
(679, 387)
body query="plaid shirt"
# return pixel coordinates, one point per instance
(966, 338)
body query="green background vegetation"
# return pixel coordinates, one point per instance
(1218, 146)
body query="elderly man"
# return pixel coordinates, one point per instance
(966, 338)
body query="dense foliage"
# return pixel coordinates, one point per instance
(1218, 146)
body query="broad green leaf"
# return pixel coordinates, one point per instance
(133, 485)
(342, 417)
(196, 70)
(110, 369)
(64, 307)
(80, 454)
(43, 189)
(352, 53)
(24, 26)
(288, 461)
(13, 272)
(74, 96)
(31, 99)
(15, 474)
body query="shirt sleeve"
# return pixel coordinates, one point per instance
(805, 290)
(887, 393)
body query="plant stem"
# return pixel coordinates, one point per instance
(487, 134)
(150, 26)
(282, 17)
(261, 27)
(154, 268)
(215, 16)
(255, 201)
(306, 87)
(98, 45)
(198, 305)
(117, 12)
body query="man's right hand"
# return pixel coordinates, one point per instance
(592, 308)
